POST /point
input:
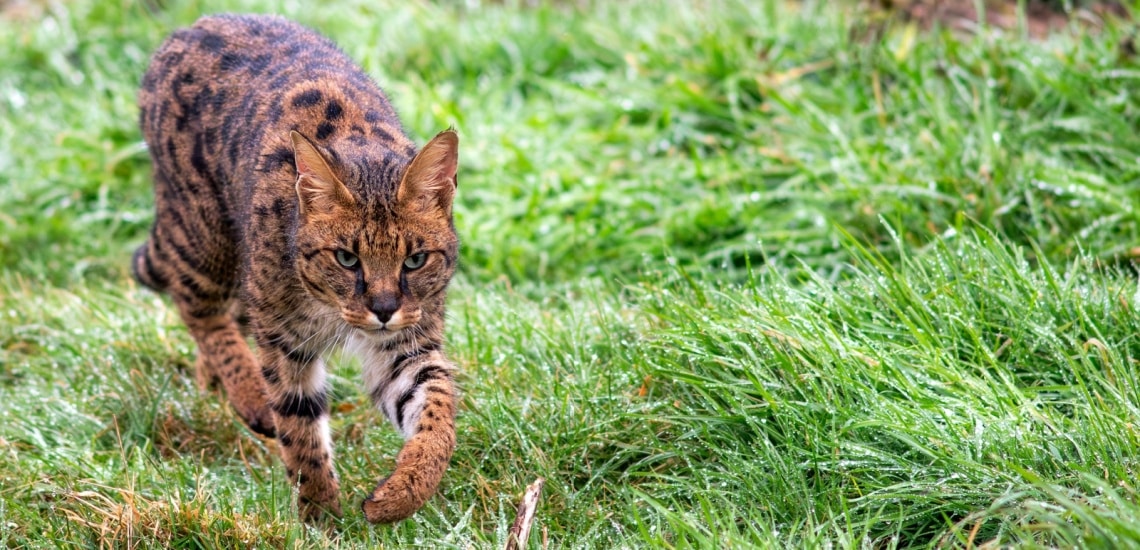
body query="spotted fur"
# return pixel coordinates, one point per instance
(288, 197)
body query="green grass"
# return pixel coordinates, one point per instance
(734, 274)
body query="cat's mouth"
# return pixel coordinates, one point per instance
(377, 332)
(382, 329)
(368, 322)
(382, 333)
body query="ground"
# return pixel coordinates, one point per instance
(734, 274)
(1038, 18)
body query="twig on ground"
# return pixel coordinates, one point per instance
(524, 518)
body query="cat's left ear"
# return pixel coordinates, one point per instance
(431, 178)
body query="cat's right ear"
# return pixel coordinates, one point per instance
(318, 189)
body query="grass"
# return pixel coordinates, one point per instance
(734, 274)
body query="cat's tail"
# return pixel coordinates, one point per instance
(430, 433)
(143, 268)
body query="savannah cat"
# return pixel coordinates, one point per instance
(288, 196)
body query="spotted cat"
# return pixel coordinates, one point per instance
(286, 193)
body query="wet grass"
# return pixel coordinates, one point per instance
(733, 274)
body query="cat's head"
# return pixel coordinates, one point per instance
(379, 265)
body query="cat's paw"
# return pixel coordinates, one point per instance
(259, 420)
(204, 375)
(382, 507)
(312, 511)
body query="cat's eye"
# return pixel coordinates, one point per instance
(346, 259)
(415, 261)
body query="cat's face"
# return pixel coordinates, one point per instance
(378, 271)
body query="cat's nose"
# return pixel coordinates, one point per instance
(385, 306)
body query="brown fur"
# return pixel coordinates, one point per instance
(287, 192)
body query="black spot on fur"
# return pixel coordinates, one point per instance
(308, 98)
(231, 61)
(258, 64)
(198, 159)
(212, 43)
(428, 373)
(381, 133)
(280, 156)
(333, 111)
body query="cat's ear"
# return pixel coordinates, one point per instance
(318, 189)
(430, 180)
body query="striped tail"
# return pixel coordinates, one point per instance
(143, 268)
(425, 412)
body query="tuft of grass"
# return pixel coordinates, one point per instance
(131, 518)
(733, 274)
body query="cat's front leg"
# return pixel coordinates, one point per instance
(415, 390)
(299, 398)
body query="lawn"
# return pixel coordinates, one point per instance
(734, 273)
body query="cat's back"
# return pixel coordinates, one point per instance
(229, 89)
(259, 53)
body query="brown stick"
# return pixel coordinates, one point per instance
(524, 518)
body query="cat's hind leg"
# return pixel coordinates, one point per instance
(153, 267)
(224, 355)
(198, 269)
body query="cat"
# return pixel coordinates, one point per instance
(287, 192)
